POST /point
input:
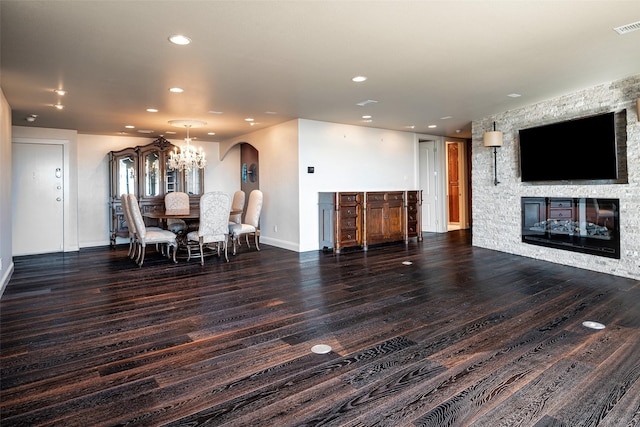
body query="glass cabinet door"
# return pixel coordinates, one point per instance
(152, 174)
(193, 182)
(126, 176)
(172, 183)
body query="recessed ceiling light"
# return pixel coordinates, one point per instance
(366, 117)
(359, 79)
(152, 110)
(514, 95)
(180, 39)
(145, 131)
(270, 112)
(176, 90)
(130, 127)
(60, 91)
(410, 126)
(59, 106)
(248, 119)
(446, 118)
(215, 112)
(170, 132)
(211, 133)
(432, 126)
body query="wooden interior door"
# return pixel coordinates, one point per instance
(453, 181)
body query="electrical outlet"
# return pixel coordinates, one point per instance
(275, 228)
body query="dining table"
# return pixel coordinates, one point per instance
(192, 214)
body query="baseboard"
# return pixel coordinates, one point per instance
(5, 278)
(284, 244)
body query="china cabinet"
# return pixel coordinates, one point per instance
(143, 171)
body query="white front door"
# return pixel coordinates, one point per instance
(38, 208)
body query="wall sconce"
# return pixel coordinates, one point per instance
(494, 139)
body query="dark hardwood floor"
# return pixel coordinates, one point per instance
(461, 336)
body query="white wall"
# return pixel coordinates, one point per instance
(350, 158)
(6, 258)
(496, 209)
(93, 176)
(344, 157)
(278, 175)
(87, 219)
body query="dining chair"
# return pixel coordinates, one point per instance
(144, 235)
(214, 223)
(176, 203)
(237, 205)
(251, 224)
(124, 201)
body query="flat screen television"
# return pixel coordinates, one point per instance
(574, 150)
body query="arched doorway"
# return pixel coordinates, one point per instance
(249, 169)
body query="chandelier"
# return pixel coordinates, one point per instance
(187, 157)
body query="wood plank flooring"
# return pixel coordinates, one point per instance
(462, 336)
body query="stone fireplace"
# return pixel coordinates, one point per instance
(586, 225)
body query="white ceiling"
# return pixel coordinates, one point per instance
(424, 60)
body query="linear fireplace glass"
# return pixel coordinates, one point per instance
(586, 225)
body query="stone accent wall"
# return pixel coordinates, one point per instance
(496, 209)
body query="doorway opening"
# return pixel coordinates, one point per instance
(249, 161)
(458, 202)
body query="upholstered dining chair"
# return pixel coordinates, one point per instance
(237, 205)
(176, 203)
(124, 201)
(251, 224)
(131, 225)
(144, 235)
(214, 223)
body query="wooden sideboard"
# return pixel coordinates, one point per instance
(360, 219)
(143, 171)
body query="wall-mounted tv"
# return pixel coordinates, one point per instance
(574, 150)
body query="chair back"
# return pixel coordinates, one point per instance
(254, 207)
(214, 216)
(136, 216)
(176, 203)
(237, 205)
(126, 210)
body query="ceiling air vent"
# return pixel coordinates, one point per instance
(628, 28)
